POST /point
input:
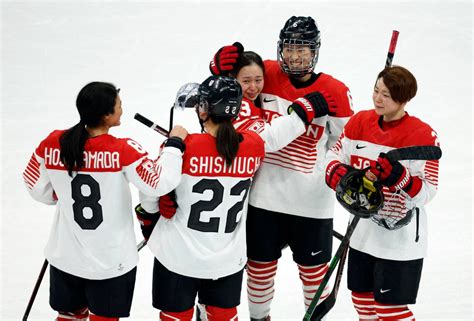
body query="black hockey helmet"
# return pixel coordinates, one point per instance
(358, 195)
(299, 31)
(220, 96)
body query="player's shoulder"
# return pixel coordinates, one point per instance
(331, 82)
(271, 65)
(361, 118)
(196, 138)
(51, 141)
(129, 149)
(252, 139)
(420, 132)
(54, 136)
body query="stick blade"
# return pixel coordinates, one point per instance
(415, 153)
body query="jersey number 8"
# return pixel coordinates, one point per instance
(90, 200)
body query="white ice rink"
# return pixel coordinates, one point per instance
(50, 50)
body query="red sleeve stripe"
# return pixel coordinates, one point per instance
(431, 172)
(32, 172)
(150, 175)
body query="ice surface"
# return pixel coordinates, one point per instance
(49, 50)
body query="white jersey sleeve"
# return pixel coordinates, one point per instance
(37, 181)
(148, 176)
(282, 131)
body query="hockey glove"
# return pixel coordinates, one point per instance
(334, 172)
(225, 59)
(147, 220)
(168, 205)
(395, 176)
(316, 104)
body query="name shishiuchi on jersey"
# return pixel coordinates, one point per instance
(365, 137)
(206, 237)
(92, 234)
(291, 179)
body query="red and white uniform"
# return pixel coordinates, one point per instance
(92, 234)
(296, 172)
(282, 131)
(206, 237)
(359, 146)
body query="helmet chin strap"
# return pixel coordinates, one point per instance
(202, 121)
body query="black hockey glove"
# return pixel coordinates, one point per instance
(147, 220)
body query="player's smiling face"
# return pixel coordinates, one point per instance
(297, 57)
(251, 79)
(384, 104)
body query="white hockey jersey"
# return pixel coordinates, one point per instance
(92, 235)
(365, 137)
(206, 238)
(291, 180)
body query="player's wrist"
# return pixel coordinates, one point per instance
(176, 142)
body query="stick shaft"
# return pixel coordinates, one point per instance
(145, 121)
(391, 48)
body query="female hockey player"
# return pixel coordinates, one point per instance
(289, 202)
(386, 251)
(249, 72)
(201, 249)
(86, 173)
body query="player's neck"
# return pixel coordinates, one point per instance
(96, 131)
(211, 128)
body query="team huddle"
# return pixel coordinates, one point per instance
(278, 141)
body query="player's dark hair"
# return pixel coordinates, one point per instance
(400, 82)
(247, 58)
(94, 101)
(227, 139)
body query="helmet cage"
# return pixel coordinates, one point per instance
(299, 32)
(305, 67)
(390, 217)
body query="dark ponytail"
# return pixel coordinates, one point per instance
(93, 102)
(227, 139)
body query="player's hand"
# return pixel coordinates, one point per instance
(334, 172)
(167, 205)
(303, 108)
(147, 221)
(176, 139)
(225, 59)
(179, 131)
(395, 176)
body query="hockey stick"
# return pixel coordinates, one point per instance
(317, 312)
(145, 121)
(391, 48)
(40, 279)
(35, 290)
(415, 153)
